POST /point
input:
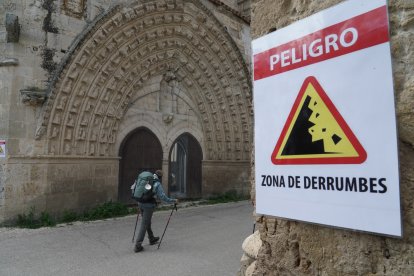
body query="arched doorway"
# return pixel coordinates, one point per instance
(184, 176)
(141, 150)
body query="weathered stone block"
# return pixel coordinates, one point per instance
(85, 171)
(17, 129)
(250, 269)
(13, 146)
(91, 199)
(252, 244)
(115, 169)
(56, 172)
(102, 170)
(99, 182)
(31, 189)
(83, 185)
(61, 186)
(58, 203)
(245, 262)
(9, 192)
(38, 173)
(233, 176)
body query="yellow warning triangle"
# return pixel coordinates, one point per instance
(316, 133)
(1, 149)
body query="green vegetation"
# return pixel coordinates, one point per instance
(108, 210)
(29, 220)
(229, 196)
(69, 216)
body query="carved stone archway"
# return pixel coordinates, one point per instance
(129, 46)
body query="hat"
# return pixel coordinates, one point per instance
(158, 172)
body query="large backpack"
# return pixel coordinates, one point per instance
(144, 185)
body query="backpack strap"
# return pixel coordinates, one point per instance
(155, 186)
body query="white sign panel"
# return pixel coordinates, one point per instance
(325, 126)
(2, 148)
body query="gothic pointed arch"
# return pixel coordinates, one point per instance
(113, 61)
(185, 169)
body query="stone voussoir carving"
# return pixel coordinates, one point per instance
(113, 52)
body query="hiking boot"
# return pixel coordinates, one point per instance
(154, 240)
(138, 247)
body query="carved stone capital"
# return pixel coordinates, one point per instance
(167, 118)
(9, 62)
(33, 96)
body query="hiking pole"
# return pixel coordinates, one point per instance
(136, 223)
(174, 208)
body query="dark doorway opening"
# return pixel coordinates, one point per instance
(184, 178)
(141, 150)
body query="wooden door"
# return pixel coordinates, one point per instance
(141, 150)
(195, 156)
(185, 168)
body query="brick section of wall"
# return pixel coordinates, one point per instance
(293, 248)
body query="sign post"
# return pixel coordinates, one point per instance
(325, 126)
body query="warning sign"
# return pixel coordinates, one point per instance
(2, 148)
(324, 120)
(316, 133)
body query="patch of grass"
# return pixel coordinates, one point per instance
(106, 210)
(30, 221)
(25, 221)
(69, 216)
(46, 220)
(229, 196)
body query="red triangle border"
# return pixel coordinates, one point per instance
(362, 155)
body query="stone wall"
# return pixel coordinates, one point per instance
(4, 126)
(58, 184)
(92, 107)
(221, 177)
(292, 248)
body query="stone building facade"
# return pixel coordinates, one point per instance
(93, 91)
(293, 248)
